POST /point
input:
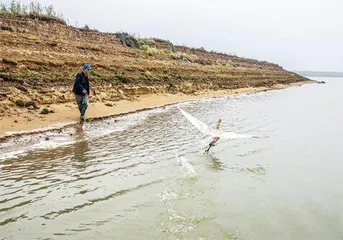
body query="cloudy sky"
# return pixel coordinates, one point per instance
(297, 34)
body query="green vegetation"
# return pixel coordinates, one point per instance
(45, 111)
(121, 78)
(127, 39)
(151, 51)
(146, 41)
(95, 74)
(32, 9)
(30, 73)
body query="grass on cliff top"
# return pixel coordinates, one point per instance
(33, 9)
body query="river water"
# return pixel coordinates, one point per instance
(145, 175)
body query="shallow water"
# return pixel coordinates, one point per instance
(144, 176)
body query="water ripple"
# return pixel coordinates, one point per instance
(107, 174)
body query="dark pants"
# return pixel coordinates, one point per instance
(82, 103)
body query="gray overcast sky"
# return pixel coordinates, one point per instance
(297, 34)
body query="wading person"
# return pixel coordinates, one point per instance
(81, 90)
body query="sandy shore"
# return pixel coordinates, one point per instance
(67, 113)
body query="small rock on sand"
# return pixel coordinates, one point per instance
(109, 104)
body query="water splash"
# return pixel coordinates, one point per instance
(166, 196)
(202, 127)
(186, 168)
(208, 131)
(176, 224)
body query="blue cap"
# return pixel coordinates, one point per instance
(87, 66)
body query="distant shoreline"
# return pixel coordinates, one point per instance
(319, 74)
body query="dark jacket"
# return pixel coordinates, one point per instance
(81, 82)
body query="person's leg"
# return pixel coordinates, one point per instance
(78, 99)
(84, 106)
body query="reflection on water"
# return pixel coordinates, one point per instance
(80, 148)
(215, 163)
(144, 176)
